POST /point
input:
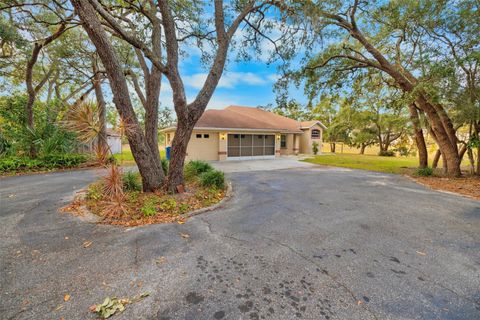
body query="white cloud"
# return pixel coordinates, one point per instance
(229, 80)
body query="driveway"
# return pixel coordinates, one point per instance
(307, 243)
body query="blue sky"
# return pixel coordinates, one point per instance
(248, 83)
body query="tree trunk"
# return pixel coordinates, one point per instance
(448, 148)
(436, 158)
(362, 148)
(179, 146)
(445, 164)
(471, 159)
(151, 172)
(419, 138)
(332, 147)
(151, 112)
(439, 120)
(102, 111)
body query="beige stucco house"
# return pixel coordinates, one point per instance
(241, 133)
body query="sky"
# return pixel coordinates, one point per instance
(246, 83)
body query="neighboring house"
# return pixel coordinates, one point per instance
(236, 133)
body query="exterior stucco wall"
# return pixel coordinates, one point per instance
(288, 150)
(215, 147)
(306, 140)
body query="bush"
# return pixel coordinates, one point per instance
(195, 168)
(387, 153)
(94, 191)
(169, 204)
(424, 172)
(149, 208)
(63, 160)
(165, 164)
(131, 181)
(315, 147)
(52, 161)
(213, 178)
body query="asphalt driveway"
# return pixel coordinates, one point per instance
(297, 243)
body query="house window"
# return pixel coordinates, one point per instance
(206, 136)
(199, 136)
(315, 134)
(283, 141)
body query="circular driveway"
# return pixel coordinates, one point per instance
(307, 242)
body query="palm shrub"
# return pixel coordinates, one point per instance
(213, 178)
(424, 172)
(195, 168)
(131, 181)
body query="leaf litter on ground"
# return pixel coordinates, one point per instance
(111, 306)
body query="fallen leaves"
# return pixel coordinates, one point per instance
(110, 306)
(421, 253)
(66, 297)
(87, 244)
(185, 235)
(160, 260)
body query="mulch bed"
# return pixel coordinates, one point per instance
(467, 185)
(128, 211)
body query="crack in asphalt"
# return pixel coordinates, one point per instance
(429, 279)
(334, 279)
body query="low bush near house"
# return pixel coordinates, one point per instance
(424, 172)
(387, 153)
(131, 181)
(195, 168)
(213, 178)
(315, 148)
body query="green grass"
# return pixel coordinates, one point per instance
(367, 162)
(126, 157)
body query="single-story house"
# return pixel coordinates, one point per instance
(240, 133)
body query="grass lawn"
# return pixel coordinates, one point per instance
(126, 157)
(367, 162)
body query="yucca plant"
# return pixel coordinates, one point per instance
(82, 118)
(113, 184)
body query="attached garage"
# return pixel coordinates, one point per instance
(250, 146)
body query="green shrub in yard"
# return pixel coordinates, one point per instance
(315, 148)
(131, 181)
(165, 164)
(195, 168)
(387, 153)
(168, 204)
(424, 172)
(12, 164)
(213, 178)
(94, 191)
(149, 208)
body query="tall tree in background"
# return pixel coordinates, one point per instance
(375, 37)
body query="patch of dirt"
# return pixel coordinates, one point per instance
(468, 185)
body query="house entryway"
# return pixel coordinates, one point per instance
(250, 146)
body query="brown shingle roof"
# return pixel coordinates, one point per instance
(246, 118)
